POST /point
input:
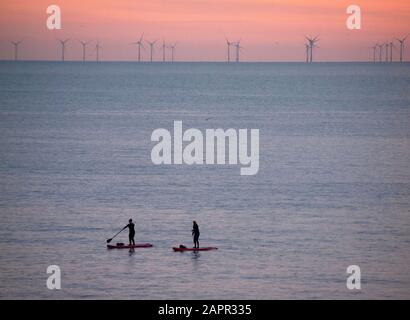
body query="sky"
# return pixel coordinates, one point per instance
(269, 30)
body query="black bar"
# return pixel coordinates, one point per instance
(202, 309)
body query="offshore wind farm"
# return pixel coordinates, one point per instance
(385, 50)
(257, 24)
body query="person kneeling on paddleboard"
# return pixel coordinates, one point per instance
(131, 233)
(195, 234)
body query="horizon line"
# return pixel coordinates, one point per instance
(202, 61)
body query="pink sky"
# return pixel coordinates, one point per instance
(271, 30)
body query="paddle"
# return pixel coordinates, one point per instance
(109, 240)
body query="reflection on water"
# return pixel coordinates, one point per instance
(195, 255)
(333, 182)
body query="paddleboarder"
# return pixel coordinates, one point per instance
(131, 229)
(195, 234)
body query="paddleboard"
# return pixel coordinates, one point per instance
(194, 249)
(138, 245)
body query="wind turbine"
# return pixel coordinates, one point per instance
(63, 42)
(229, 44)
(172, 47)
(401, 41)
(163, 50)
(84, 44)
(151, 44)
(380, 51)
(312, 44)
(140, 45)
(16, 49)
(97, 49)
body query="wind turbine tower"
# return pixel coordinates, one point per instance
(229, 44)
(307, 47)
(391, 51)
(172, 47)
(163, 50)
(16, 49)
(238, 49)
(151, 44)
(387, 51)
(380, 51)
(374, 52)
(63, 42)
(401, 41)
(97, 49)
(84, 44)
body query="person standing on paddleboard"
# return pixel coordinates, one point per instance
(131, 234)
(195, 234)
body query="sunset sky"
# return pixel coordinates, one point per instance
(271, 30)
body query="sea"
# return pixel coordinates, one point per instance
(332, 190)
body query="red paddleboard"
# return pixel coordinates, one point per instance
(138, 245)
(194, 249)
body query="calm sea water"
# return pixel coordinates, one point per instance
(333, 188)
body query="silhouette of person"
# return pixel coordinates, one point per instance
(131, 234)
(195, 234)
